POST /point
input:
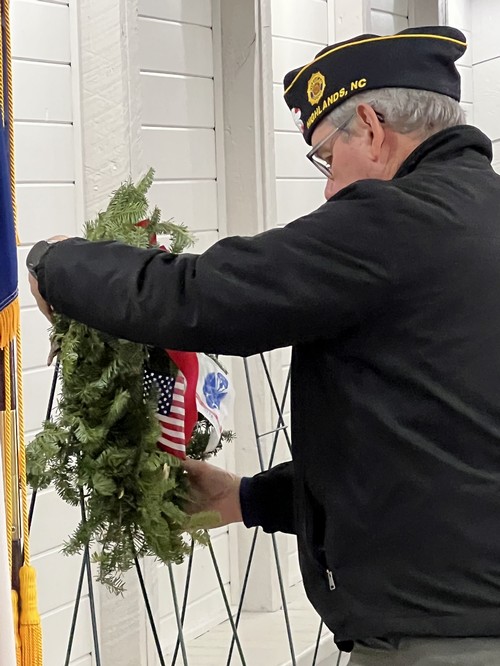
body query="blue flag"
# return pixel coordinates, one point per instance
(8, 249)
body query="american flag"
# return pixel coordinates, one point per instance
(170, 411)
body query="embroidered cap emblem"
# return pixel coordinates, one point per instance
(316, 88)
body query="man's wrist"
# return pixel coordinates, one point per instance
(35, 256)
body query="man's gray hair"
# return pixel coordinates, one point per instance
(405, 110)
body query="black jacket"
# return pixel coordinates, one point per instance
(390, 296)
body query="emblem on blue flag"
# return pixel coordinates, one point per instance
(215, 388)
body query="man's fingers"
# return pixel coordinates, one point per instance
(55, 348)
(189, 464)
(192, 467)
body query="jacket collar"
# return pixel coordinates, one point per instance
(445, 145)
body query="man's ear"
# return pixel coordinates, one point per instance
(372, 129)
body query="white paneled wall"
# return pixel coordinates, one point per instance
(48, 162)
(178, 65)
(389, 16)
(177, 75)
(296, 41)
(486, 67)
(459, 16)
(57, 577)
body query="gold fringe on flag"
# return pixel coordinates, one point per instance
(28, 631)
(30, 627)
(9, 323)
(17, 635)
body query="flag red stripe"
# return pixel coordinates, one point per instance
(187, 362)
(167, 439)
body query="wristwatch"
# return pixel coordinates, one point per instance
(35, 256)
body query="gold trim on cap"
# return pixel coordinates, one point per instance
(365, 41)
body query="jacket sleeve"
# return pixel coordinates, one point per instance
(267, 500)
(305, 282)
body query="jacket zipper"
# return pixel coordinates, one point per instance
(331, 580)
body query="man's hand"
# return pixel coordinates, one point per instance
(213, 489)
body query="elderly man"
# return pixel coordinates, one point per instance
(389, 295)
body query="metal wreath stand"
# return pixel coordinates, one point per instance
(180, 611)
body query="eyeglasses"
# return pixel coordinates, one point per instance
(324, 164)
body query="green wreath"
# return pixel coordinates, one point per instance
(103, 438)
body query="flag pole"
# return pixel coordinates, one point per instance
(14, 472)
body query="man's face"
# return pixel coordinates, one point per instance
(350, 152)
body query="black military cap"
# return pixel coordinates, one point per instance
(422, 58)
